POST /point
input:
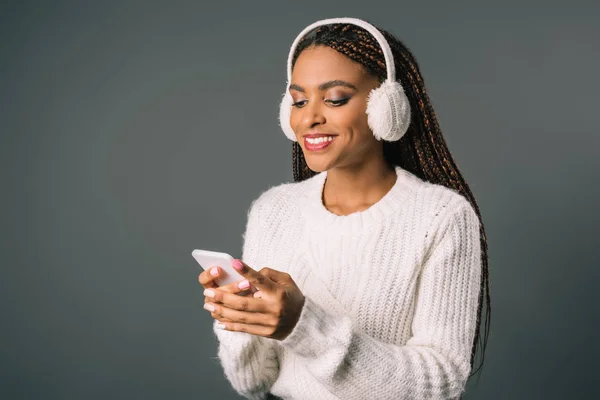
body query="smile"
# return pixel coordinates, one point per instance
(318, 143)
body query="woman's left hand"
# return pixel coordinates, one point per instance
(272, 311)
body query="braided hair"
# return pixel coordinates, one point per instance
(422, 150)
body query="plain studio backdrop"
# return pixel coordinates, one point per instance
(132, 133)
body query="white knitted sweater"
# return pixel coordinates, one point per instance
(390, 295)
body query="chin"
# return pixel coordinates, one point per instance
(317, 170)
(317, 165)
(319, 162)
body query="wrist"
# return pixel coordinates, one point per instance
(294, 321)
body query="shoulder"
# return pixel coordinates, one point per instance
(444, 199)
(430, 198)
(444, 208)
(279, 200)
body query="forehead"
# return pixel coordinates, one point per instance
(321, 63)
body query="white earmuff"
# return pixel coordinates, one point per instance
(388, 109)
(285, 112)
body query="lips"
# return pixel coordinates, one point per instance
(318, 135)
(318, 146)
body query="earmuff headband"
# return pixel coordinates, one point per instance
(387, 52)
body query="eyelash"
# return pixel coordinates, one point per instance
(336, 103)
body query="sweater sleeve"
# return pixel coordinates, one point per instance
(435, 361)
(250, 362)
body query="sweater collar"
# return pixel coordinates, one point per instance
(320, 217)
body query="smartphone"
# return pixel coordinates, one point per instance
(208, 259)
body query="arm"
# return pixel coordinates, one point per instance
(435, 361)
(249, 361)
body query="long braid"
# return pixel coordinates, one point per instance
(422, 150)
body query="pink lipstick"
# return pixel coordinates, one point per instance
(317, 142)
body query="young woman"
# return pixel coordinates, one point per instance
(365, 278)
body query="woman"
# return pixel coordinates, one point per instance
(376, 257)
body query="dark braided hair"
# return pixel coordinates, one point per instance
(422, 150)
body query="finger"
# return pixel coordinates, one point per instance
(238, 287)
(231, 288)
(206, 278)
(254, 277)
(259, 330)
(276, 276)
(220, 319)
(220, 312)
(231, 300)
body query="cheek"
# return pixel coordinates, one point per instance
(353, 118)
(293, 117)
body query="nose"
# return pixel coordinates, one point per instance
(311, 114)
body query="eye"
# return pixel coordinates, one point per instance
(335, 103)
(297, 104)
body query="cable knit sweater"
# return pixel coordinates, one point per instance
(390, 292)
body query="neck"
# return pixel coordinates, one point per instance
(355, 188)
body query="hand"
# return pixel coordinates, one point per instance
(207, 280)
(272, 311)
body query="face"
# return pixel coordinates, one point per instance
(329, 95)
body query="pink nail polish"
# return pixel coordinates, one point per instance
(237, 264)
(209, 307)
(244, 284)
(214, 271)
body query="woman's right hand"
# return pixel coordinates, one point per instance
(207, 280)
(208, 276)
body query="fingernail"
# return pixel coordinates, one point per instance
(214, 271)
(209, 293)
(244, 284)
(237, 264)
(220, 326)
(209, 307)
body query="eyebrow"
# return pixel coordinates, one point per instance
(326, 85)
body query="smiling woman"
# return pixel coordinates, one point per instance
(376, 254)
(341, 102)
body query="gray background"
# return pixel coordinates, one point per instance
(132, 133)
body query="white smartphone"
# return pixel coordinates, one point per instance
(208, 259)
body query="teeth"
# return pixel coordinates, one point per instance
(319, 140)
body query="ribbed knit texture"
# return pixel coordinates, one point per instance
(391, 295)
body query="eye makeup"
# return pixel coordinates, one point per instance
(335, 103)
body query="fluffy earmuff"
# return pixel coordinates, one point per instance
(388, 108)
(388, 111)
(285, 112)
